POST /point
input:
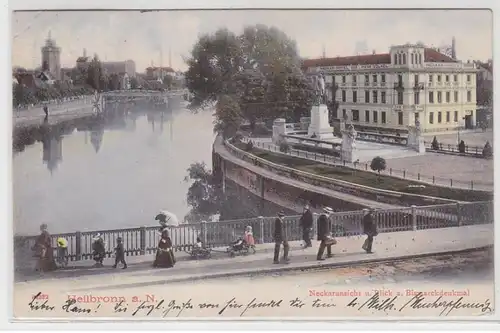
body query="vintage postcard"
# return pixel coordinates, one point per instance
(253, 164)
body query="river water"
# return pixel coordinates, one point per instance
(112, 173)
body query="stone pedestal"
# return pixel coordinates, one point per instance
(415, 139)
(279, 129)
(348, 148)
(320, 125)
(304, 123)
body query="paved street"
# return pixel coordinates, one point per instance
(471, 138)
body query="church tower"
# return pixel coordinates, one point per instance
(51, 58)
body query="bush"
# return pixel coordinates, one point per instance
(378, 164)
(461, 147)
(249, 146)
(284, 147)
(237, 137)
(435, 144)
(487, 150)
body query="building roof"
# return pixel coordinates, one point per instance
(82, 59)
(166, 69)
(430, 55)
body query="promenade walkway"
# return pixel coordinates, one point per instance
(221, 150)
(347, 252)
(462, 169)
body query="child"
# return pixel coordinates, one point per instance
(198, 244)
(62, 251)
(119, 253)
(248, 238)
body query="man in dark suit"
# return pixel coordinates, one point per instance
(306, 223)
(324, 233)
(369, 229)
(280, 236)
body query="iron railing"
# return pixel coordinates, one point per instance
(144, 240)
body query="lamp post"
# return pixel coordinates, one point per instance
(458, 132)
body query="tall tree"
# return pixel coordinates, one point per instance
(95, 74)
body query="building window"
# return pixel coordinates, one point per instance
(416, 97)
(382, 78)
(382, 97)
(416, 79)
(468, 77)
(400, 79)
(367, 79)
(354, 79)
(404, 58)
(343, 78)
(375, 96)
(354, 96)
(367, 116)
(400, 97)
(355, 115)
(440, 99)
(447, 78)
(455, 78)
(375, 78)
(400, 118)
(455, 117)
(412, 58)
(396, 59)
(469, 96)
(344, 114)
(384, 120)
(420, 58)
(455, 96)
(367, 96)
(448, 97)
(431, 117)
(375, 116)
(343, 96)
(447, 116)
(439, 117)
(431, 96)
(430, 78)
(439, 78)
(335, 114)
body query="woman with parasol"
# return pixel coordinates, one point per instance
(164, 255)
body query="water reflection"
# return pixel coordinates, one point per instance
(112, 174)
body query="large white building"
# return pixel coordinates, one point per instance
(392, 90)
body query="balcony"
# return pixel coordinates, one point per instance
(343, 84)
(383, 84)
(397, 107)
(447, 84)
(398, 86)
(375, 84)
(417, 108)
(354, 83)
(367, 83)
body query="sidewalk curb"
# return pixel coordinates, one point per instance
(283, 269)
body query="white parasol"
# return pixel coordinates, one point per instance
(169, 218)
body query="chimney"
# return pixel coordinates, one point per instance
(84, 53)
(453, 50)
(373, 52)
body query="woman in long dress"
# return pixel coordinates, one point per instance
(44, 251)
(164, 255)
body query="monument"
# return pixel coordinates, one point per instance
(279, 129)
(319, 126)
(415, 139)
(348, 148)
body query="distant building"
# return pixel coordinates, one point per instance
(117, 67)
(393, 90)
(159, 72)
(51, 58)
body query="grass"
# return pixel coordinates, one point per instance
(369, 178)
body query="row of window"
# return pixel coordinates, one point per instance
(416, 97)
(440, 117)
(400, 58)
(383, 116)
(400, 78)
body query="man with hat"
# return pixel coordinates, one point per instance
(306, 223)
(324, 234)
(369, 229)
(280, 236)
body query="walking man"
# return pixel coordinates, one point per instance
(280, 236)
(369, 229)
(119, 254)
(306, 222)
(324, 234)
(46, 110)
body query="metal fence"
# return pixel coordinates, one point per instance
(144, 240)
(403, 174)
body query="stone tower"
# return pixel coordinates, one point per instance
(51, 58)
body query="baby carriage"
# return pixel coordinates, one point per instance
(243, 245)
(200, 252)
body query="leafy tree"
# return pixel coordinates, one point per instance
(487, 150)
(228, 116)
(249, 146)
(95, 77)
(378, 164)
(134, 84)
(114, 82)
(204, 194)
(435, 144)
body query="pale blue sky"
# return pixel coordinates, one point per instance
(132, 35)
